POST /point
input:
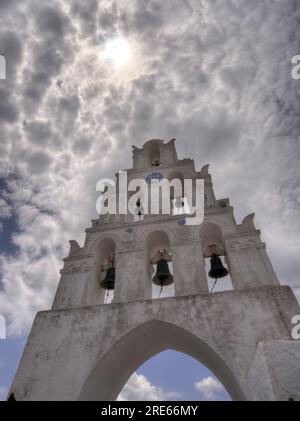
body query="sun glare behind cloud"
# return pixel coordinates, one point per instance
(117, 51)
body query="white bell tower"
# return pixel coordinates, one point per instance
(86, 349)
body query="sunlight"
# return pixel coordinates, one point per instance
(117, 51)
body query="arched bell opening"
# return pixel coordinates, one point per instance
(137, 206)
(159, 262)
(154, 154)
(139, 210)
(106, 270)
(214, 254)
(178, 201)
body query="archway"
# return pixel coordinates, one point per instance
(158, 242)
(177, 194)
(115, 368)
(213, 243)
(154, 153)
(173, 376)
(103, 251)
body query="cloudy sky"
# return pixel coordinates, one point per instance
(86, 80)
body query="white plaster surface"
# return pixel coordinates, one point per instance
(90, 352)
(83, 349)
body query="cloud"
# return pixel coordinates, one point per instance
(11, 49)
(38, 131)
(214, 74)
(138, 388)
(5, 209)
(86, 13)
(52, 22)
(38, 161)
(8, 111)
(210, 388)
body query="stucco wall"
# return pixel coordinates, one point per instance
(65, 346)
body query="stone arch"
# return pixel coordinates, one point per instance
(176, 174)
(211, 234)
(156, 241)
(110, 374)
(143, 234)
(213, 242)
(153, 150)
(102, 237)
(101, 249)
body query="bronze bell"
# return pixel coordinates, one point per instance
(109, 281)
(217, 270)
(163, 277)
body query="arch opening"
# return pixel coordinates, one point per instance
(173, 376)
(154, 154)
(158, 249)
(213, 244)
(121, 360)
(178, 202)
(105, 268)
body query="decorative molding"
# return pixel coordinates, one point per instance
(78, 257)
(242, 234)
(153, 176)
(138, 251)
(72, 269)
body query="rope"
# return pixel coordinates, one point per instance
(214, 285)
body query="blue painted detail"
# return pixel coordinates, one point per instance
(181, 221)
(154, 176)
(130, 230)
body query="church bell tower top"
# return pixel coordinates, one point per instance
(154, 153)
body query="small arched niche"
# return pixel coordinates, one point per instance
(105, 260)
(178, 201)
(213, 245)
(154, 154)
(138, 205)
(158, 249)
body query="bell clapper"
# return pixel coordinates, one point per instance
(160, 291)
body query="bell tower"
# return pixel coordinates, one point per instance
(105, 321)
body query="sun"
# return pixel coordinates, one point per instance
(117, 51)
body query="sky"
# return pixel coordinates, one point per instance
(86, 80)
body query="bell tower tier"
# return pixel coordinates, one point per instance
(146, 275)
(154, 153)
(127, 238)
